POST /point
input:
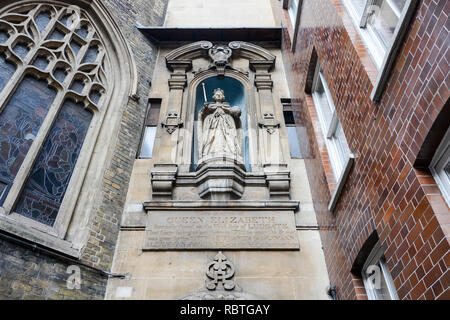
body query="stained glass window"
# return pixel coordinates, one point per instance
(66, 20)
(42, 128)
(41, 63)
(6, 71)
(91, 55)
(77, 86)
(21, 49)
(60, 74)
(83, 32)
(75, 47)
(19, 124)
(57, 35)
(95, 96)
(3, 36)
(42, 20)
(48, 181)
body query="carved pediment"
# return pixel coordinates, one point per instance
(220, 53)
(188, 53)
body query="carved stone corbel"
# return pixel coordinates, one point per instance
(172, 122)
(263, 78)
(269, 122)
(163, 178)
(178, 78)
(279, 183)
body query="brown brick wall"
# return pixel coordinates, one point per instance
(384, 192)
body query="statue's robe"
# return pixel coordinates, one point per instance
(219, 132)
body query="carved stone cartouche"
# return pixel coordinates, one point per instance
(220, 286)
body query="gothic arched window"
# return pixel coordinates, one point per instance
(54, 76)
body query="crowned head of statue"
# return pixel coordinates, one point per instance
(219, 95)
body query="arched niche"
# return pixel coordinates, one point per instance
(262, 153)
(235, 94)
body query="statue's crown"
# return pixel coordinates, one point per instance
(217, 90)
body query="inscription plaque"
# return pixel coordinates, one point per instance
(173, 230)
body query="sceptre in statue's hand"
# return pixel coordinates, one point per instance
(204, 92)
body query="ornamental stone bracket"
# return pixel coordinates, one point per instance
(269, 122)
(178, 79)
(263, 78)
(220, 284)
(172, 122)
(224, 180)
(279, 183)
(163, 177)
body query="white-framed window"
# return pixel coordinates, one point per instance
(341, 158)
(376, 277)
(291, 128)
(148, 141)
(331, 127)
(377, 21)
(292, 9)
(381, 25)
(150, 127)
(440, 166)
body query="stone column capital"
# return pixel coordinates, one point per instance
(263, 78)
(179, 66)
(178, 77)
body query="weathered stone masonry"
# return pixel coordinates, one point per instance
(30, 274)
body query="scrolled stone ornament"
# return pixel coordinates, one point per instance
(234, 45)
(220, 270)
(221, 286)
(206, 45)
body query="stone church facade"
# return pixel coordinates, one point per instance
(261, 149)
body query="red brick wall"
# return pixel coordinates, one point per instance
(384, 192)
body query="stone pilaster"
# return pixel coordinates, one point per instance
(274, 164)
(163, 174)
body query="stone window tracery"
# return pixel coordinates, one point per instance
(54, 84)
